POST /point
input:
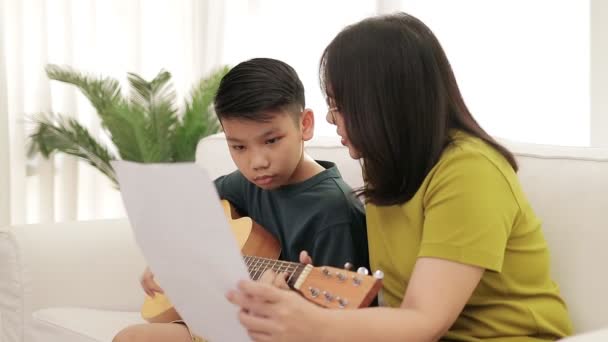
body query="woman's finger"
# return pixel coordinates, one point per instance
(280, 281)
(260, 291)
(257, 337)
(254, 306)
(256, 324)
(267, 277)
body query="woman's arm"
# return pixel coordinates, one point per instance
(436, 295)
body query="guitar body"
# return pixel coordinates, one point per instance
(252, 240)
(250, 236)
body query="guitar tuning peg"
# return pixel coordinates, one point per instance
(379, 275)
(342, 302)
(348, 266)
(362, 271)
(313, 292)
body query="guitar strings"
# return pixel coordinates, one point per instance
(257, 266)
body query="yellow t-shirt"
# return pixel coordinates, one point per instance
(471, 209)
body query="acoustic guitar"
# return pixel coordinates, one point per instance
(328, 287)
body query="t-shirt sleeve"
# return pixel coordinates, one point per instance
(469, 210)
(334, 246)
(233, 187)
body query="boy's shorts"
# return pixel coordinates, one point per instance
(194, 337)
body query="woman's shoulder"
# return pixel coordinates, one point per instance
(471, 163)
(470, 152)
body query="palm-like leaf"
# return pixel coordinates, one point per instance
(126, 128)
(145, 127)
(64, 134)
(156, 100)
(198, 120)
(102, 92)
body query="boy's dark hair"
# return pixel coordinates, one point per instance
(392, 82)
(255, 87)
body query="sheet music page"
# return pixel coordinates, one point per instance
(181, 229)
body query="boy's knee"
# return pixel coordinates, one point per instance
(131, 334)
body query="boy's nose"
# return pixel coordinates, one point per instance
(260, 161)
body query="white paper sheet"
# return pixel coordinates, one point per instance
(183, 234)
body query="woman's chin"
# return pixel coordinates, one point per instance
(353, 153)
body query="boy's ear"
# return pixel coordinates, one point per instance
(307, 123)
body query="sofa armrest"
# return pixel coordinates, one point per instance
(91, 264)
(592, 336)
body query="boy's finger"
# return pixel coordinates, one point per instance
(305, 258)
(154, 287)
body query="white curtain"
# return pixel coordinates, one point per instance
(5, 208)
(108, 37)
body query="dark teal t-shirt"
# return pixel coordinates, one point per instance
(320, 215)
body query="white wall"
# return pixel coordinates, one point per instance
(522, 65)
(295, 32)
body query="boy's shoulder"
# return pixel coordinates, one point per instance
(323, 191)
(330, 190)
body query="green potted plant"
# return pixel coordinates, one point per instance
(144, 126)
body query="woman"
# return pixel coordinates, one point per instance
(463, 253)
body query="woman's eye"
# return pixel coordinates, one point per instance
(272, 141)
(238, 147)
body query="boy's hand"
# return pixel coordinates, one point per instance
(305, 258)
(148, 283)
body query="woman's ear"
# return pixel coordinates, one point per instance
(307, 124)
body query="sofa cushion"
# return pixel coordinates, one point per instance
(595, 336)
(80, 324)
(11, 289)
(568, 189)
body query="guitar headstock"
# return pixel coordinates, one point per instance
(335, 288)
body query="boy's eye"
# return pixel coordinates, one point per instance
(238, 147)
(272, 141)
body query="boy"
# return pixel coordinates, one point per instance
(304, 203)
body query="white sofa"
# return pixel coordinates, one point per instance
(78, 281)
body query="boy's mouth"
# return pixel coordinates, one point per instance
(263, 180)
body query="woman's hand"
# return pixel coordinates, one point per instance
(148, 284)
(271, 313)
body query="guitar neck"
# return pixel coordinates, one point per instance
(258, 265)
